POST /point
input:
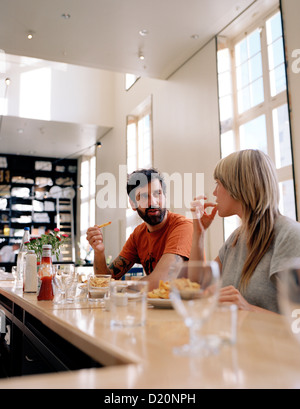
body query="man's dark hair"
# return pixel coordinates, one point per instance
(142, 177)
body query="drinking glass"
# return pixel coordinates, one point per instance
(63, 278)
(98, 287)
(18, 278)
(128, 303)
(289, 296)
(194, 294)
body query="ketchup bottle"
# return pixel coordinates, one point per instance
(45, 275)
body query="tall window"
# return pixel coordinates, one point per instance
(253, 102)
(139, 148)
(87, 202)
(139, 141)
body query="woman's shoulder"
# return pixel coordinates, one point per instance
(287, 227)
(285, 222)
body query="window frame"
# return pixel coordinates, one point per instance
(267, 107)
(88, 199)
(141, 112)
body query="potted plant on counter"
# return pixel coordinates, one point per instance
(55, 238)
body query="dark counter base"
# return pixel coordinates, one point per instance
(29, 347)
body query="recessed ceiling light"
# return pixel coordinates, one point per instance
(144, 32)
(195, 36)
(141, 55)
(30, 35)
(66, 16)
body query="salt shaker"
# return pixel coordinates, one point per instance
(30, 279)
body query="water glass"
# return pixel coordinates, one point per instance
(128, 303)
(289, 296)
(223, 324)
(18, 277)
(63, 278)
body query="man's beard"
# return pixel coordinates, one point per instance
(152, 219)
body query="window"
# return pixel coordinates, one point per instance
(87, 202)
(139, 148)
(253, 101)
(139, 141)
(35, 94)
(130, 80)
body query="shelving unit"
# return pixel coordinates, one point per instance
(40, 193)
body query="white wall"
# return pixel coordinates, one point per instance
(75, 94)
(291, 13)
(185, 135)
(83, 95)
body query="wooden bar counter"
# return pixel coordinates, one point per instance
(265, 356)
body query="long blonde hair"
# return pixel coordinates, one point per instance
(250, 177)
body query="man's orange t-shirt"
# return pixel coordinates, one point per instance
(146, 248)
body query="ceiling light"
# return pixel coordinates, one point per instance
(141, 55)
(99, 144)
(66, 16)
(7, 81)
(195, 36)
(144, 32)
(30, 35)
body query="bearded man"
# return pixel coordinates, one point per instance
(162, 240)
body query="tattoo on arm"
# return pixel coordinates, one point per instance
(119, 267)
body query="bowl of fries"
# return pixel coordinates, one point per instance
(98, 286)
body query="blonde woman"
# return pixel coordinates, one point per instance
(265, 242)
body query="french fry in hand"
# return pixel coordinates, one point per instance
(103, 225)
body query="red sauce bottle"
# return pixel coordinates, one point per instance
(45, 275)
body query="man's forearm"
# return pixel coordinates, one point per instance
(100, 266)
(166, 269)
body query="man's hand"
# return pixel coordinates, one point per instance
(95, 238)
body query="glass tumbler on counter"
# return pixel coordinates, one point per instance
(128, 303)
(98, 287)
(63, 279)
(289, 296)
(18, 278)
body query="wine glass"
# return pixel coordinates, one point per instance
(289, 296)
(194, 294)
(63, 278)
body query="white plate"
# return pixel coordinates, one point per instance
(160, 302)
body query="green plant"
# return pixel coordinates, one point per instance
(55, 238)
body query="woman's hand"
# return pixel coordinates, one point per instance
(95, 238)
(202, 220)
(231, 295)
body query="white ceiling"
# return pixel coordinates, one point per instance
(104, 34)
